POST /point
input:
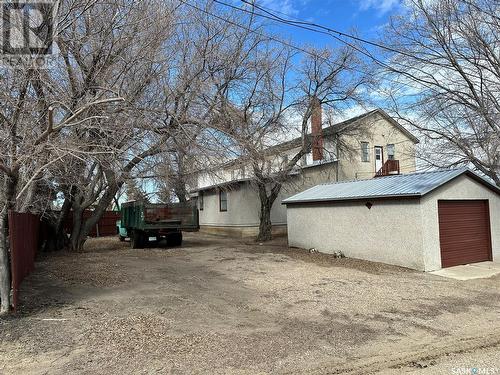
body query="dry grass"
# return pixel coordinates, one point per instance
(322, 259)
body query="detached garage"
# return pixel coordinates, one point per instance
(425, 221)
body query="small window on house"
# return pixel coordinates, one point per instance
(390, 152)
(222, 200)
(365, 155)
(200, 201)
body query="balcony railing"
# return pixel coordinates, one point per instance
(390, 167)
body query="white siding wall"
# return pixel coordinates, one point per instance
(378, 132)
(242, 208)
(244, 203)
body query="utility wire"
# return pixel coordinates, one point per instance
(300, 23)
(421, 81)
(293, 46)
(331, 33)
(297, 22)
(253, 31)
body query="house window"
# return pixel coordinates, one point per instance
(390, 152)
(222, 200)
(200, 201)
(365, 155)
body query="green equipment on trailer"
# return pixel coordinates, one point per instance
(140, 221)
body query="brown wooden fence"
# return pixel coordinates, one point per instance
(23, 236)
(105, 227)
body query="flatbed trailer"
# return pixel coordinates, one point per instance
(140, 221)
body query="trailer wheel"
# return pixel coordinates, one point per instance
(174, 239)
(137, 240)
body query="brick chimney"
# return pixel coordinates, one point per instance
(316, 130)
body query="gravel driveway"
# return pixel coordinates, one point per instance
(225, 306)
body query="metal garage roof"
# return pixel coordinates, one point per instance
(403, 185)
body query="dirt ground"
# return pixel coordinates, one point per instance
(225, 306)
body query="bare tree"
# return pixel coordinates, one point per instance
(449, 62)
(242, 93)
(118, 47)
(69, 129)
(274, 99)
(197, 78)
(133, 89)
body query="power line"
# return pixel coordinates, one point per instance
(298, 23)
(254, 31)
(313, 27)
(330, 32)
(293, 46)
(270, 17)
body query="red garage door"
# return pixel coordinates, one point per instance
(464, 232)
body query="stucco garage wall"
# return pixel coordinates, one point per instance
(389, 232)
(462, 187)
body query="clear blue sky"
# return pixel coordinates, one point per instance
(367, 17)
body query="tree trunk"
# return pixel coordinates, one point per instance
(266, 204)
(9, 188)
(117, 203)
(61, 240)
(181, 193)
(97, 213)
(114, 184)
(82, 228)
(4, 264)
(76, 240)
(265, 225)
